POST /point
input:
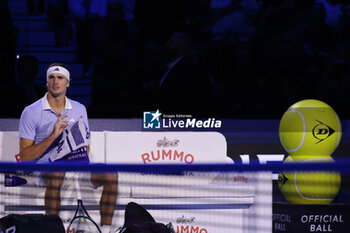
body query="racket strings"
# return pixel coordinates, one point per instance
(83, 224)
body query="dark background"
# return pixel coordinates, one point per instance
(248, 58)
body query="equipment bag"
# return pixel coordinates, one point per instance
(31, 223)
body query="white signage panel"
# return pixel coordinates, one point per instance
(165, 147)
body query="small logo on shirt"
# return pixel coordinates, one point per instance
(72, 120)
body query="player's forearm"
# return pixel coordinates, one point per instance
(34, 152)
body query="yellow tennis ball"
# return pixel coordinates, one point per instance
(310, 127)
(309, 187)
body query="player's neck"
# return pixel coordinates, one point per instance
(56, 103)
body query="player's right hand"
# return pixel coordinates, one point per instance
(59, 126)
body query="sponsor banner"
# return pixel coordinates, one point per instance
(194, 203)
(204, 220)
(290, 218)
(165, 147)
(9, 146)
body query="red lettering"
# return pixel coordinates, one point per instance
(18, 158)
(194, 229)
(155, 158)
(189, 159)
(184, 229)
(165, 154)
(177, 155)
(145, 157)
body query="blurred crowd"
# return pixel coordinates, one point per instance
(210, 58)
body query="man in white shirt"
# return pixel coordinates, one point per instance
(41, 130)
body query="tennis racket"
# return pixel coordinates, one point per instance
(81, 222)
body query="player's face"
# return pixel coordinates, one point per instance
(57, 84)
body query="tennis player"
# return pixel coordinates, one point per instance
(40, 130)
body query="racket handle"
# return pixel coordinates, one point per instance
(77, 186)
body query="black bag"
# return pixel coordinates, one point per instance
(138, 220)
(31, 223)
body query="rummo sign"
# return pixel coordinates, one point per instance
(192, 202)
(165, 147)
